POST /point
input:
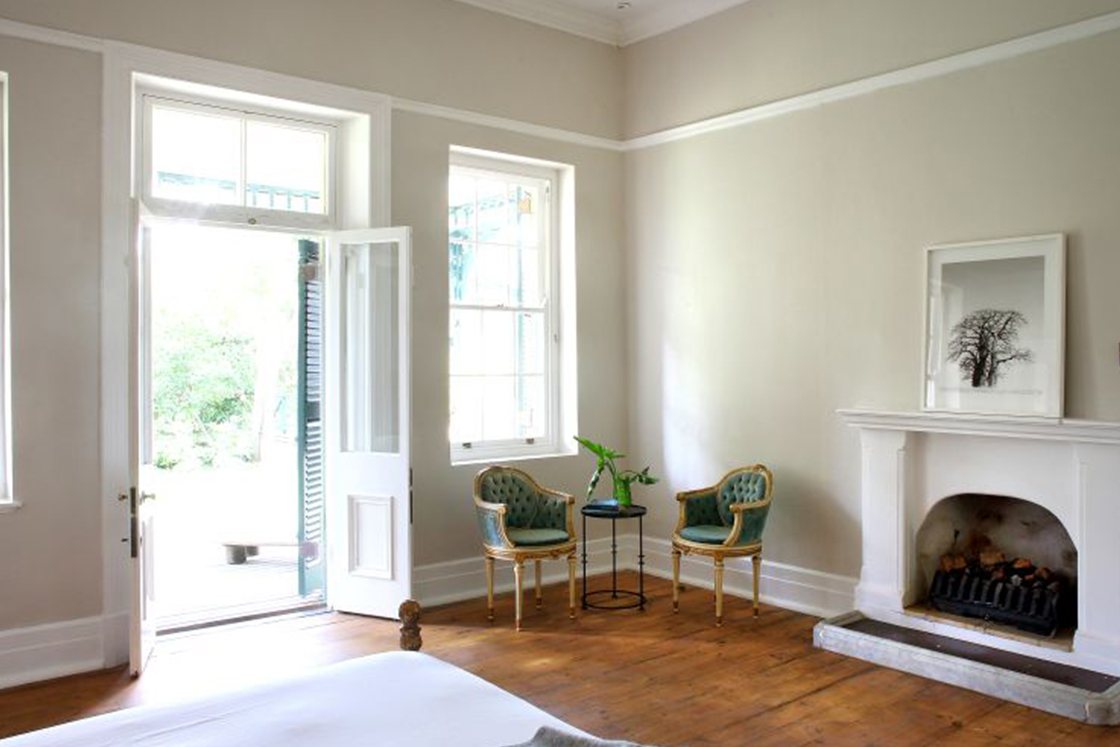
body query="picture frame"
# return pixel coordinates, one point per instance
(994, 327)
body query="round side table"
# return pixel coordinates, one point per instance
(611, 510)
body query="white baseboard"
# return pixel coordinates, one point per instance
(43, 652)
(787, 586)
(456, 580)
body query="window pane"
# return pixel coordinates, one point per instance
(527, 288)
(531, 408)
(461, 207)
(466, 342)
(196, 156)
(370, 346)
(528, 215)
(496, 218)
(499, 421)
(466, 409)
(530, 343)
(285, 168)
(498, 354)
(463, 276)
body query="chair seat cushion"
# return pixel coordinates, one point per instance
(534, 537)
(708, 534)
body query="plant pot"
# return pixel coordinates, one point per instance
(622, 494)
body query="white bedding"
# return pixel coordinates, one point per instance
(400, 699)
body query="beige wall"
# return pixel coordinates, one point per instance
(432, 50)
(437, 51)
(777, 269)
(50, 550)
(766, 50)
(445, 525)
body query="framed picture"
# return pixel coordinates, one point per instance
(995, 327)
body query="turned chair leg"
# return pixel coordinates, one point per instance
(572, 586)
(719, 592)
(757, 561)
(490, 589)
(517, 571)
(676, 580)
(537, 582)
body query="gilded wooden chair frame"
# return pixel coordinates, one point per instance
(509, 551)
(730, 547)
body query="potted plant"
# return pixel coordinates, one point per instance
(622, 479)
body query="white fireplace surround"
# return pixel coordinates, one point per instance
(911, 461)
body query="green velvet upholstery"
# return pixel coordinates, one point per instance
(754, 520)
(744, 487)
(708, 514)
(536, 537)
(518, 495)
(552, 513)
(708, 534)
(702, 509)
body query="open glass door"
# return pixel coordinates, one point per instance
(368, 418)
(142, 632)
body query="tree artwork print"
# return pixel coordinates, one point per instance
(984, 344)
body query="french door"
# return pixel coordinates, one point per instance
(142, 518)
(367, 393)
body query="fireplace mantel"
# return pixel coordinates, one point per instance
(1070, 431)
(912, 460)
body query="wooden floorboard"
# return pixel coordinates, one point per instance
(655, 677)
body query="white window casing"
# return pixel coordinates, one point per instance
(558, 386)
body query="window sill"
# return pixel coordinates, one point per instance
(9, 507)
(464, 460)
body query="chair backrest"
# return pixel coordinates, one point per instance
(513, 488)
(745, 485)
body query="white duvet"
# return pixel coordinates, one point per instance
(401, 699)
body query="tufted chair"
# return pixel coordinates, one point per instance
(522, 521)
(724, 521)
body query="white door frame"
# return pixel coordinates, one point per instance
(368, 205)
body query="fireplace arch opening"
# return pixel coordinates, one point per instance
(998, 558)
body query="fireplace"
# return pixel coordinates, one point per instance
(1001, 560)
(949, 502)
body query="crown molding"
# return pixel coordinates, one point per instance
(643, 26)
(558, 16)
(953, 63)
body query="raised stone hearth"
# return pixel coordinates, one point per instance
(1069, 470)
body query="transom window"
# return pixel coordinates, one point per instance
(502, 273)
(211, 161)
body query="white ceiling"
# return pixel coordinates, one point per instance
(603, 21)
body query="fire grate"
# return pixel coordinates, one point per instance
(1038, 608)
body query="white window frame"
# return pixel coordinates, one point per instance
(551, 443)
(234, 214)
(8, 501)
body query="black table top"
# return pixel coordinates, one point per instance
(611, 510)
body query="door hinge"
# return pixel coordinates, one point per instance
(410, 496)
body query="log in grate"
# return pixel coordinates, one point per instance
(1034, 608)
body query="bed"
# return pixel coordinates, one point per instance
(397, 698)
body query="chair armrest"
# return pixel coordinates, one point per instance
(690, 503)
(492, 524)
(750, 519)
(556, 498)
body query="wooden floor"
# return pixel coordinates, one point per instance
(650, 677)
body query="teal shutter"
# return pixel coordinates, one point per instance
(312, 566)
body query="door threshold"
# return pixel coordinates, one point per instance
(313, 607)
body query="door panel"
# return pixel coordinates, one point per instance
(142, 633)
(368, 420)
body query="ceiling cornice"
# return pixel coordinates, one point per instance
(643, 26)
(639, 26)
(557, 15)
